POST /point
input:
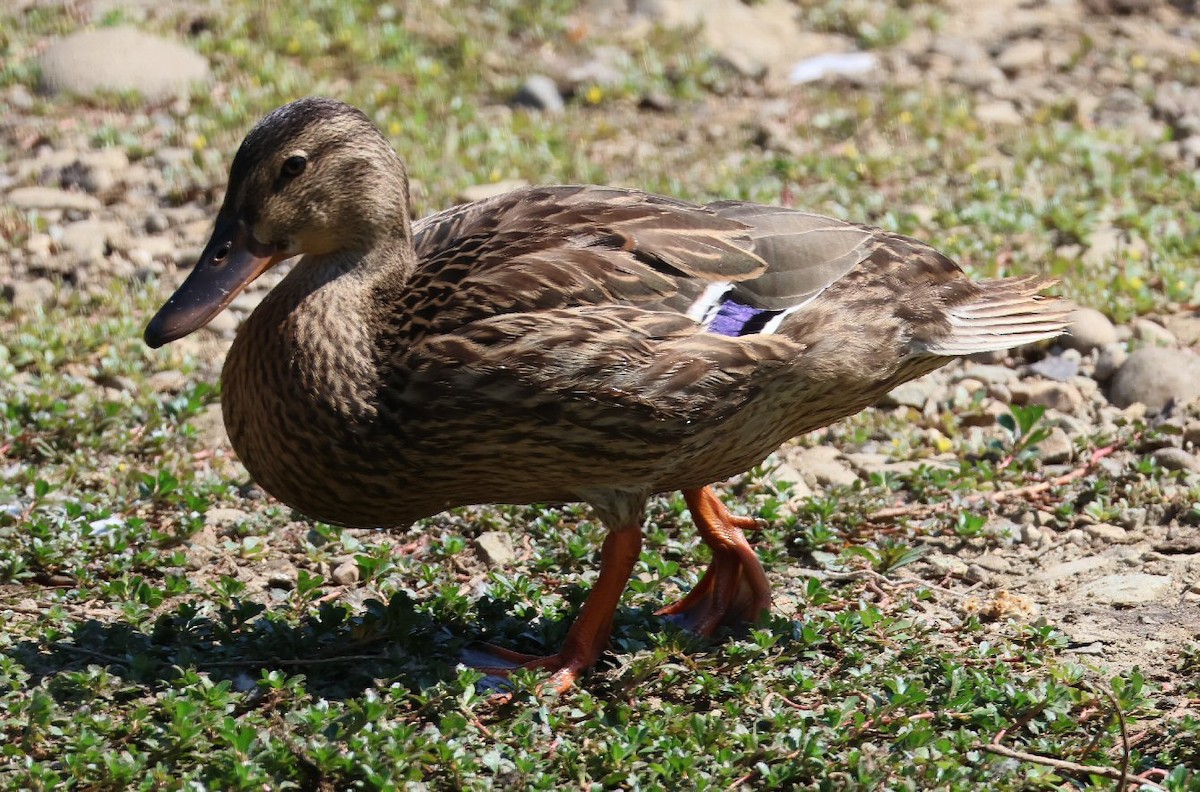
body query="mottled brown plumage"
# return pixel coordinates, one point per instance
(555, 344)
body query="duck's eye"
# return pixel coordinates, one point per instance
(293, 166)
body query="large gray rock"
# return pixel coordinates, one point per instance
(1022, 55)
(1088, 329)
(87, 238)
(1185, 327)
(753, 38)
(998, 113)
(914, 393)
(121, 59)
(1155, 376)
(43, 198)
(1131, 589)
(821, 466)
(27, 296)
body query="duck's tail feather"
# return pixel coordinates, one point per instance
(1004, 314)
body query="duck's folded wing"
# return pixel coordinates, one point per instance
(559, 247)
(616, 296)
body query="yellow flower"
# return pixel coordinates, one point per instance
(293, 47)
(199, 142)
(593, 95)
(905, 118)
(1137, 62)
(395, 128)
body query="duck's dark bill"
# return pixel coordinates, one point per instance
(231, 260)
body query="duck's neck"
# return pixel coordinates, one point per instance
(314, 333)
(334, 305)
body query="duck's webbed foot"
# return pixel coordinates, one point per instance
(591, 630)
(734, 588)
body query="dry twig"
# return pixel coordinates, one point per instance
(1070, 767)
(1122, 774)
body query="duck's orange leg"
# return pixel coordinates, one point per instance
(592, 628)
(734, 588)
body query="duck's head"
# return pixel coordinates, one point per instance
(315, 177)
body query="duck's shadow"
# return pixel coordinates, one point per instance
(340, 654)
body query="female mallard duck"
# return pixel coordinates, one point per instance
(555, 344)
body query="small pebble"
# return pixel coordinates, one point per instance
(1061, 367)
(169, 381)
(346, 573)
(998, 113)
(977, 574)
(496, 548)
(1021, 55)
(1032, 535)
(1153, 333)
(223, 518)
(539, 92)
(281, 580)
(1191, 434)
(1133, 517)
(31, 295)
(1108, 534)
(1061, 396)
(1111, 358)
(1177, 459)
(157, 222)
(1127, 589)
(1057, 447)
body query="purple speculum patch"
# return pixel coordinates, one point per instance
(736, 319)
